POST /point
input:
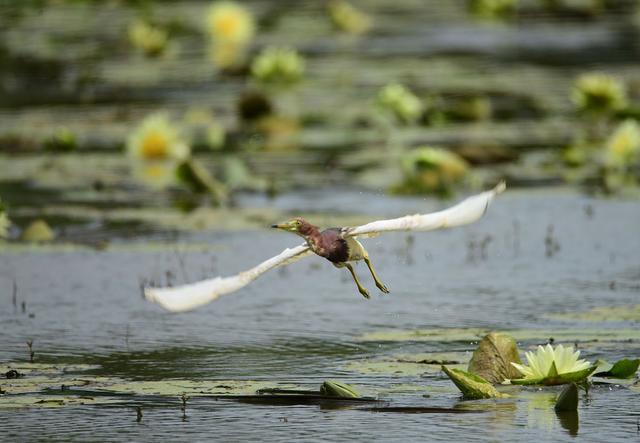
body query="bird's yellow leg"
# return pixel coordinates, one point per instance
(361, 288)
(379, 284)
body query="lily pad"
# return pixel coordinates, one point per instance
(492, 358)
(472, 386)
(474, 334)
(602, 314)
(425, 335)
(408, 365)
(625, 368)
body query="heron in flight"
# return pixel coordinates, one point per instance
(338, 245)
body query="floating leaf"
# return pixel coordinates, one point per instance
(493, 357)
(568, 399)
(625, 368)
(472, 386)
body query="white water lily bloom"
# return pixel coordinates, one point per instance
(551, 362)
(157, 139)
(230, 22)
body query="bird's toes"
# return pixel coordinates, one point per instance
(365, 293)
(383, 288)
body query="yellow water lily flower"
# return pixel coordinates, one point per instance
(278, 66)
(623, 146)
(155, 174)
(549, 365)
(230, 22)
(157, 139)
(401, 102)
(598, 92)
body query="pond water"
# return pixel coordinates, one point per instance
(306, 323)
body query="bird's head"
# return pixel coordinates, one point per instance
(296, 225)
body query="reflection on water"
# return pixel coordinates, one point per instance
(569, 420)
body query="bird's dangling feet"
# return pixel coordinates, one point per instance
(382, 287)
(361, 288)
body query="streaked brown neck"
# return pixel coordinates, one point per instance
(310, 233)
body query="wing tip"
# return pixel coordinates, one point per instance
(500, 187)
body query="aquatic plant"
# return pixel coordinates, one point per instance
(157, 138)
(229, 21)
(204, 128)
(152, 40)
(348, 18)
(598, 93)
(622, 148)
(334, 388)
(5, 223)
(400, 102)
(62, 140)
(553, 366)
(231, 28)
(155, 174)
(38, 232)
(472, 386)
(227, 56)
(277, 66)
(493, 9)
(428, 170)
(493, 357)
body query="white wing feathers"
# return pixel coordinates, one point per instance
(187, 297)
(190, 296)
(467, 211)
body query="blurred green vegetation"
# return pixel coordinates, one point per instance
(270, 97)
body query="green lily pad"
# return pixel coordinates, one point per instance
(474, 334)
(625, 368)
(472, 386)
(553, 378)
(408, 365)
(602, 314)
(189, 387)
(492, 358)
(425, 335)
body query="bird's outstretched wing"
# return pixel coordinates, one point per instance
(190, 296)
(467, 211)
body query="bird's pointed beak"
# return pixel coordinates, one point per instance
(285, 226)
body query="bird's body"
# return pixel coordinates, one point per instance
(335, 245)
(338, 245)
